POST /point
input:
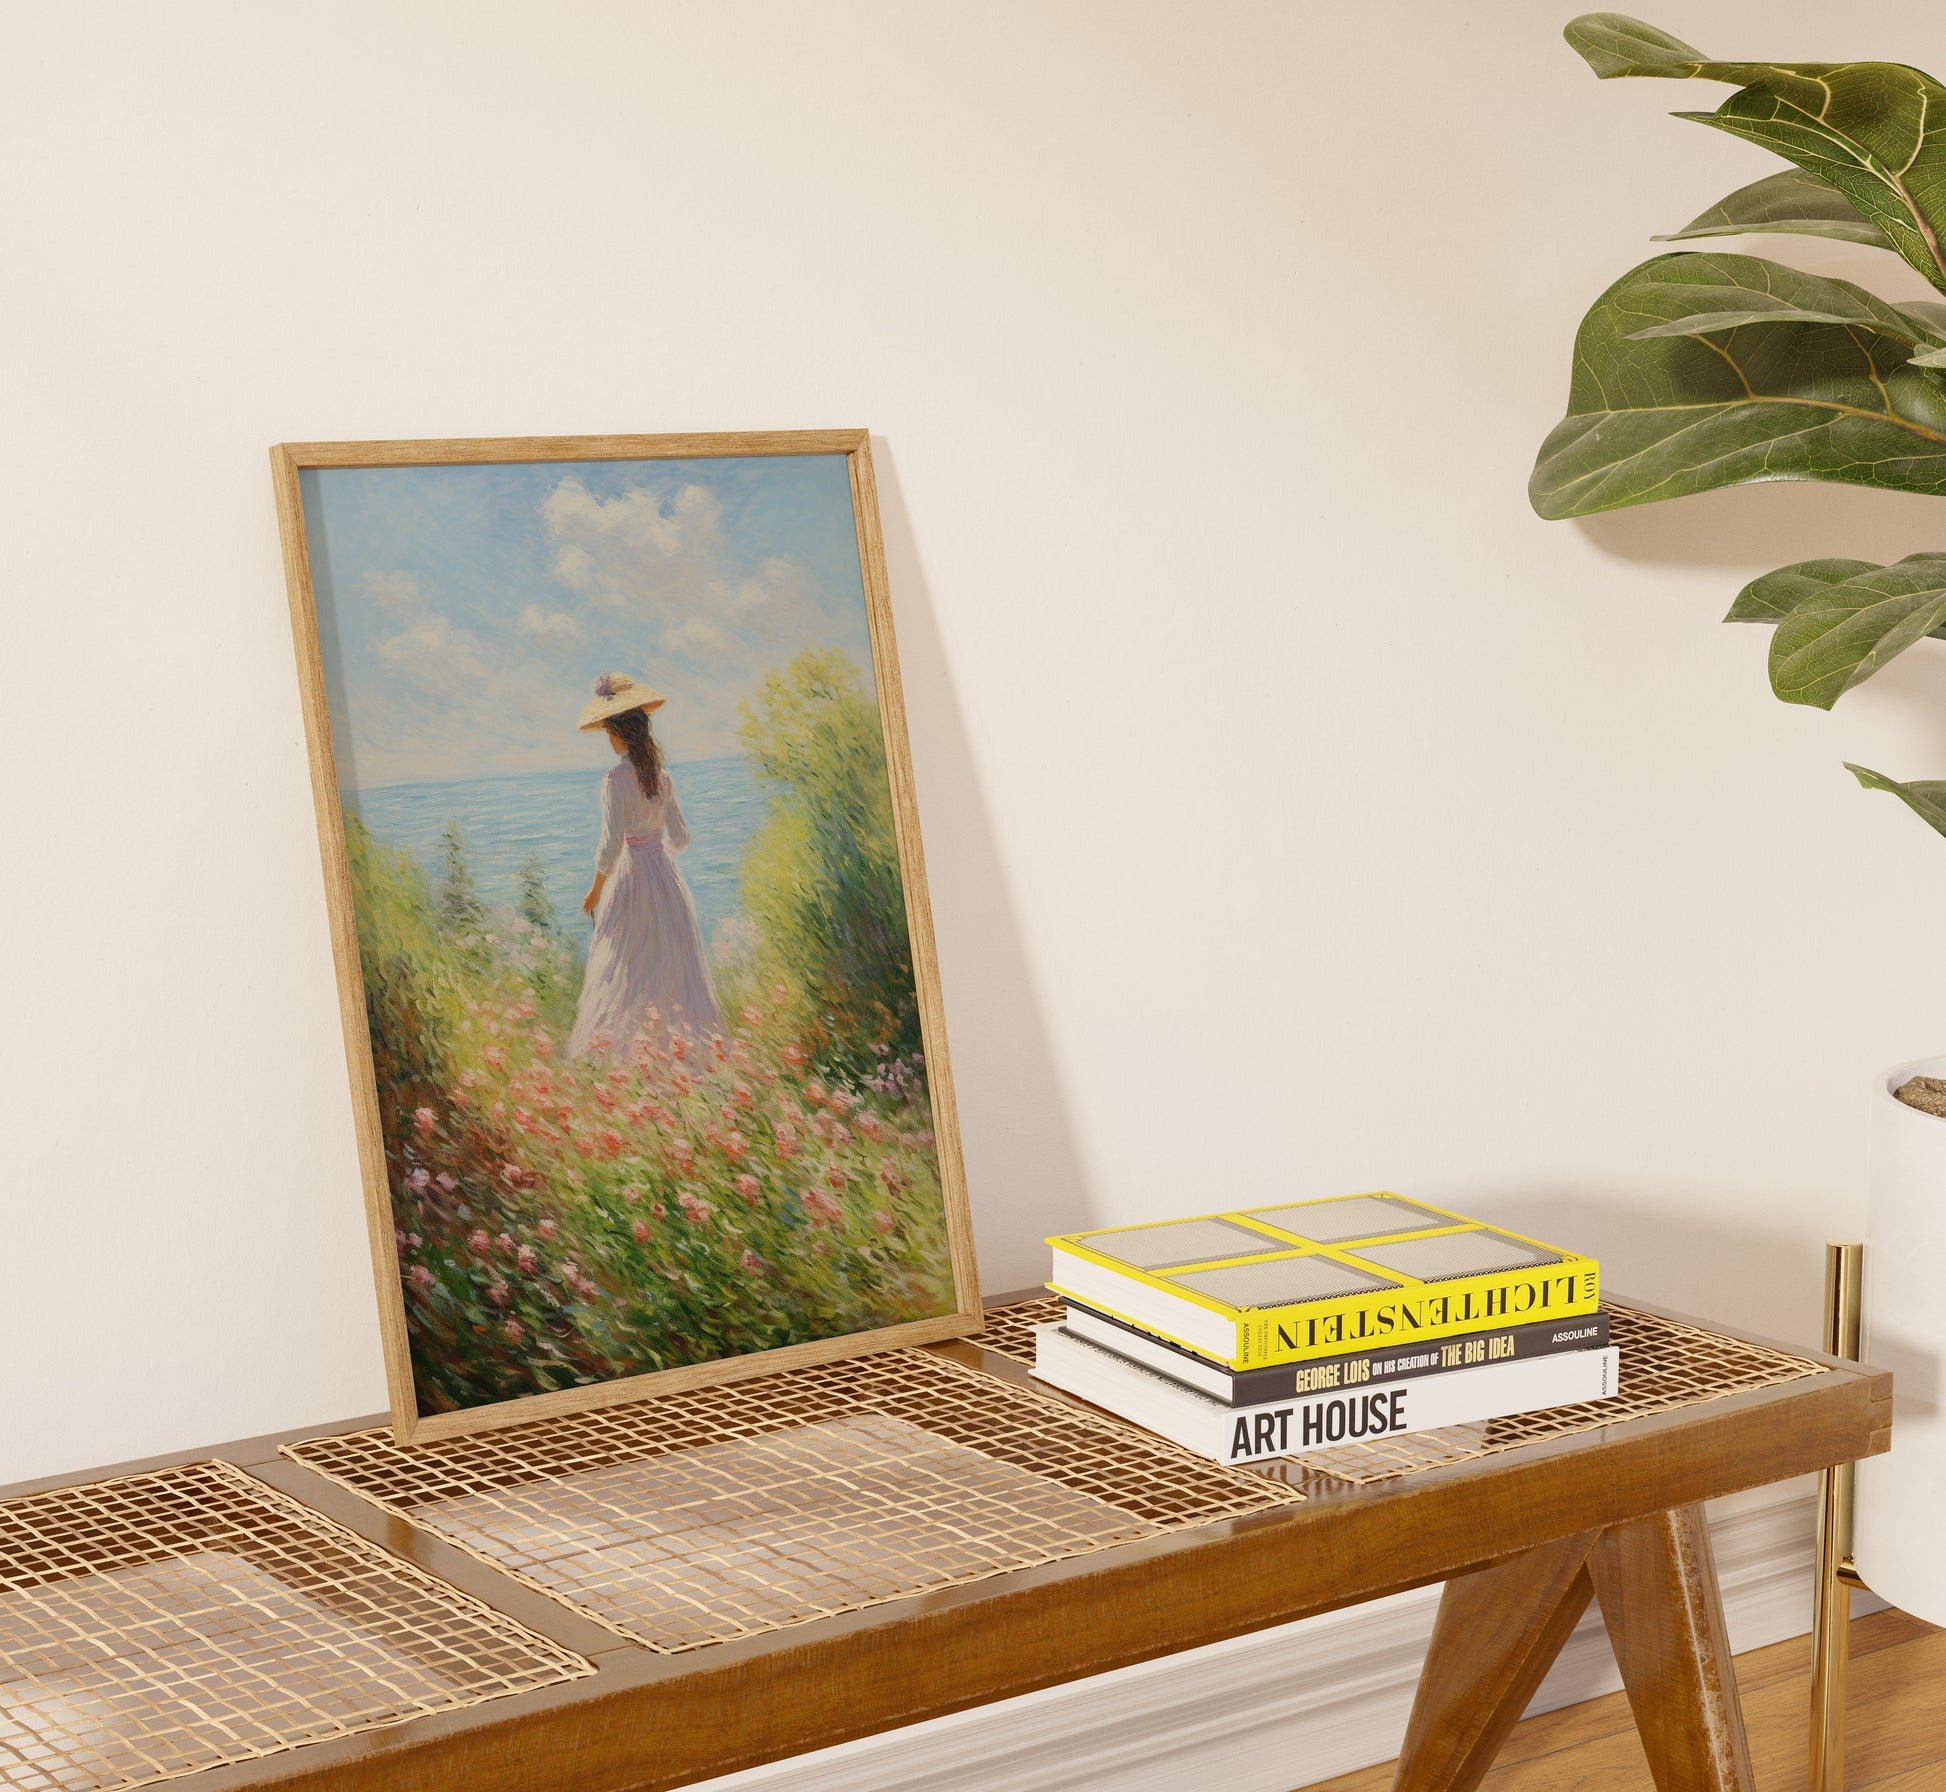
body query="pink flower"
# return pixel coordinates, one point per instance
(693, 1210)
(795, 1056)
(597, 1042)
(678, 1047)
(515, 1330)
(421, 1276)
(820, 1206)
(630, 1192)
(641, 1231)
(446, 1184)
(423, 1119)
(495, 1058)
(753, 1017)
(735, 1146)
(746, 1186)
(523, 1011)
(526, 1260)
(742, 1096)
(870, 1125)
(814, 1092)
(543, 1045)
(506, 1243)
(660, 1212)
(479, 1244)
(398, 1233)
(497, 1293)
(835, 1176)
(786, 1140)
(419, 1179)
(752, 1262)
(611, 1142)
(841, 1103)
(545, 1229)
(883, 1220)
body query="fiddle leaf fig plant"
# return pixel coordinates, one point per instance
(1702, 369)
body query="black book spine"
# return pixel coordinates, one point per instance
(1372, 1368)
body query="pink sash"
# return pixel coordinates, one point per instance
(653, 838)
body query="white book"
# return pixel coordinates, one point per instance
(1317, 1421)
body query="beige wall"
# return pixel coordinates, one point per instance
(1304, 815)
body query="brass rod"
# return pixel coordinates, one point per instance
(1831, 1600)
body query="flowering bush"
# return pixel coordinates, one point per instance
(671, 1202)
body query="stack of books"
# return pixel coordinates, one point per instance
(1271, 1331)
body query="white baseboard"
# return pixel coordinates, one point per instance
(1280, 1708)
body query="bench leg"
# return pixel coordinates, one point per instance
(1497, 1633)
(1656, 1582)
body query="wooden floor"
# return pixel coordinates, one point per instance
(1896, 1736)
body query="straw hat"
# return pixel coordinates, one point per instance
(614, 693)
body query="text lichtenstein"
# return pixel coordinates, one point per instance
(1396, 1319)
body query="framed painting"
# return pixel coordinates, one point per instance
(629, 912)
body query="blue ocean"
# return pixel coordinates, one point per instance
(558, 816)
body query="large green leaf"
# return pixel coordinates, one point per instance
(1775, 595)
(1874, 130)
(1663, 416)
(1793, 202)
(1839, 634)
(1731, 290)
(1926, 798)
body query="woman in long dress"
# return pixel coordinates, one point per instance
(646, 970)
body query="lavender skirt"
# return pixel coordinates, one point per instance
(646, 970)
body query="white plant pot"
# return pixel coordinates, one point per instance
(1899, 1542)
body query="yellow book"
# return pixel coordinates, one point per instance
(1311, 1279)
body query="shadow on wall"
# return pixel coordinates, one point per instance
(1752, 528)
(1767, 1282)
(1023, 1167)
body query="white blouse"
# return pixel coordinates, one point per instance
(628, 817)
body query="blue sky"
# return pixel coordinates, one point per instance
(466, 612)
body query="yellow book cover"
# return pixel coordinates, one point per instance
(1311, 1279)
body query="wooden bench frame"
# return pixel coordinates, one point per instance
(1523, 1540)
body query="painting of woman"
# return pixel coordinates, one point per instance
(681, 1117)
(646, 971)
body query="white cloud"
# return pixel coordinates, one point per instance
(548, 628)
(661, 564)
(396, 593)
(440, 659)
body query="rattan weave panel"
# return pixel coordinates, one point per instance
(163, 1623)
(1665, 1364)
(727, 1511)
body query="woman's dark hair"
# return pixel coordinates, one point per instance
(632, 729)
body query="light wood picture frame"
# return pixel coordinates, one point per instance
(769, 1176)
